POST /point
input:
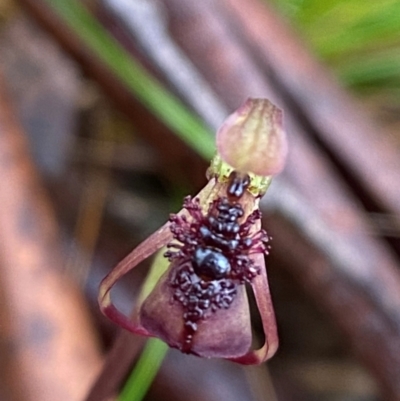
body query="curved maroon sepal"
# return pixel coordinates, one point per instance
(153, 243)
(264, 303)
(124, 321)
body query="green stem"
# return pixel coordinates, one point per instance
(145, 370)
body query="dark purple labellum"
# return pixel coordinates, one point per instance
(212, 256)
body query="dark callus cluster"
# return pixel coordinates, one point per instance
(212, 255)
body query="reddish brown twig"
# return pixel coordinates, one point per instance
(367, 328)
(54, 349)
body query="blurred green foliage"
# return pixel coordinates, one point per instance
(359, 39)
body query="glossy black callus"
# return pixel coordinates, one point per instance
(210, 264)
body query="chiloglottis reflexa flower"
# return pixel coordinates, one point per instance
(215, 246)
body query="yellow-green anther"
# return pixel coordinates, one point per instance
(221, 171)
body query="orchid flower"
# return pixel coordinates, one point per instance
(213, 248)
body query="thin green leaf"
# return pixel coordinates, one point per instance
(142, 85)
(145, 370)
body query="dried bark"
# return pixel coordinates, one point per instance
(116, 367)
(52, 348)
(366, 326)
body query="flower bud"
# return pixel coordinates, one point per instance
(252, 139)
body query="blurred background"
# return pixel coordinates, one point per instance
(108, 110)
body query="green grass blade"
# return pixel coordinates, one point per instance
(380, 69)
(141, 84)
(359, 39)
(145, 370)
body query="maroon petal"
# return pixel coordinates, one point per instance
(264, 303)
(226, 333)
(153, 243)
